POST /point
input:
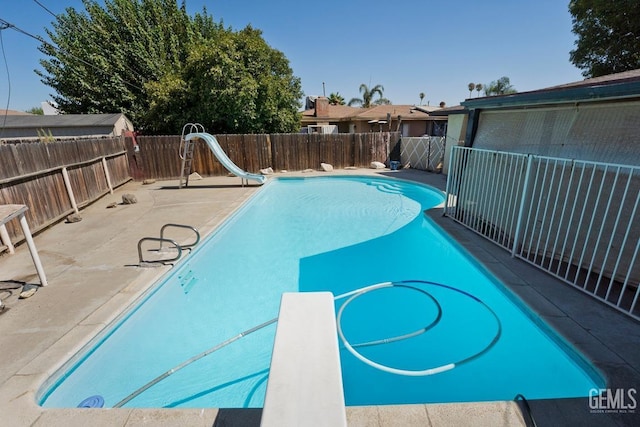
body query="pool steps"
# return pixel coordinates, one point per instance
(187, 281)
(305, 379)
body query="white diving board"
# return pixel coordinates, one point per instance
(305, 379)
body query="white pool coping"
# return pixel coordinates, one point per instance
(305, 378)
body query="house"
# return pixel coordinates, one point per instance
(596, 119)
(34, 127)
(410, 120)
(4, 113)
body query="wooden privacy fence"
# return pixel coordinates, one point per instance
(157, 156)
(55, 179)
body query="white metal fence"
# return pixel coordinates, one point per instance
(423, 152)
(577, 220)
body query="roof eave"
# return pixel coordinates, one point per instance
(626, 90)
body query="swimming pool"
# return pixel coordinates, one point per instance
(335, 234)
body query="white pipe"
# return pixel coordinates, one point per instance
(413, 373)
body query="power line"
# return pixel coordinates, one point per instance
(45, 8)
(4, 56)
(6, 24)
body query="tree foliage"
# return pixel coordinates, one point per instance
(608, 36)
(502, 86)
(234, 83)
(35, 110)
(336, 99)
(141, 57)
(367, 96)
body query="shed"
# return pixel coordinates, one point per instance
(29, 127)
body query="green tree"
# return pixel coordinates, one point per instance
(101, 58)
(608, 36)
(471, 87)
(479, 87)
(502, 86)
(421, 96)
(336, 99)
(132, 56)
(35, 110)
(235, 82)
(367, 96)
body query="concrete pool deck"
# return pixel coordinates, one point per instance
(93, 275)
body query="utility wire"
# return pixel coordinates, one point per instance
(45, 8)
(5, 24)
(6, 64)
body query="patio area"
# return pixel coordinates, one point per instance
(91, 267)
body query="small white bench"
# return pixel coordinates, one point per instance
(9, 212)
(305, 379)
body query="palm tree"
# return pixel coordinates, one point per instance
(472, 86)
(336, 99)
(502, 86)
(478, 88)
(367, 96)
(421, 97)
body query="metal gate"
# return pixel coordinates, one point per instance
(424, 152)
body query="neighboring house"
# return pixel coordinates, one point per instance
(595, 119)
(322, 114)
(13, 113)
(34, 127)
(410, 120)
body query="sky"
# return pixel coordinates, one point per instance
(407, 46)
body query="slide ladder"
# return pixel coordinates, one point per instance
(186, 152)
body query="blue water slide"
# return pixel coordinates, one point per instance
(217, 151)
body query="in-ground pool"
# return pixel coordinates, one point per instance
(446, 331)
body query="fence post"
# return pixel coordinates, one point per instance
(106, 174)
(447, 192)
(523, 200)
(67, 184)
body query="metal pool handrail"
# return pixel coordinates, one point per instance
(158, 239)
(190, 245)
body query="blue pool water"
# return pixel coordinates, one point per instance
(328, 234)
